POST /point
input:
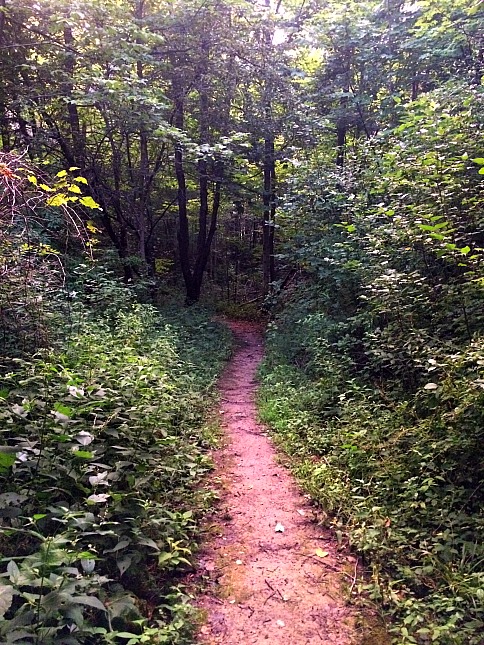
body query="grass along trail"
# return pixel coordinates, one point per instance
(275, 576)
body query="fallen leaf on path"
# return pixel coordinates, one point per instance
(238, 562)
(321, 554)
(301, 512)
(279, 528)
(280, 623)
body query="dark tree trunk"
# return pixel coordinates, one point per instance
(207, 217)
(183, 234)
(269, 189)
(269, 199)
(340, 142)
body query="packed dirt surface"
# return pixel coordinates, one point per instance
(274, 575)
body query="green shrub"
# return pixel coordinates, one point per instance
(401, 477)
(102, 451)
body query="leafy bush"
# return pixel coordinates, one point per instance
(402, 479)
(374, 377)
(102, 451)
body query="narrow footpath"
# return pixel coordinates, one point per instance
(275, 576)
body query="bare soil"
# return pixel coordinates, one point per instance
(274, 575)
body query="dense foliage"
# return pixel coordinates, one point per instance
(102, 453)
(374, 381)
(325, 155)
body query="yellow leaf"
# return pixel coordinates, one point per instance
(57, 200)
(89, 202)
(47, 189)
(62, 173)
(82, 180)
(73, 168)
(91, 226)
(321, 554)
(32, 179)
(74, 189)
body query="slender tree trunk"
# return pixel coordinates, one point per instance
(2, 20)
(4, 126)
(269, 188)
(207, 216)
(341, 140)
(4, 129)
(183, 234)
(142, 190)
(269, 199)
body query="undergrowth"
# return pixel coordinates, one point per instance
(102, 449)
(399, 476)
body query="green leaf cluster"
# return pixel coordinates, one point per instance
(101, 458)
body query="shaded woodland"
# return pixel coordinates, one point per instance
(319, 164)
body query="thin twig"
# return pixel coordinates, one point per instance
(354, 578)
(272, 588)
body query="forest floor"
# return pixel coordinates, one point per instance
(273, 574)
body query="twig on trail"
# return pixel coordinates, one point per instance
(251, 609)
(272, 588)
(269, 597)
(319, 561)
(354, 578)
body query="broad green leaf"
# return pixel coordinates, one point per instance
(6, 597)
(6, 461)
(63, 409)
(126, 635)
(90, 601)
(100, 498)
(88, 564)
(13, 571)
(145, 541)
(83, 454)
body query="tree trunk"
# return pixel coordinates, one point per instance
(341, 141)
(269, 199)
(207, 217)
(269, 189)
(183, 234)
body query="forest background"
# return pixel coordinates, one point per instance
(322, 159)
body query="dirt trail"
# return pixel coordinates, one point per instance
(268, 586)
